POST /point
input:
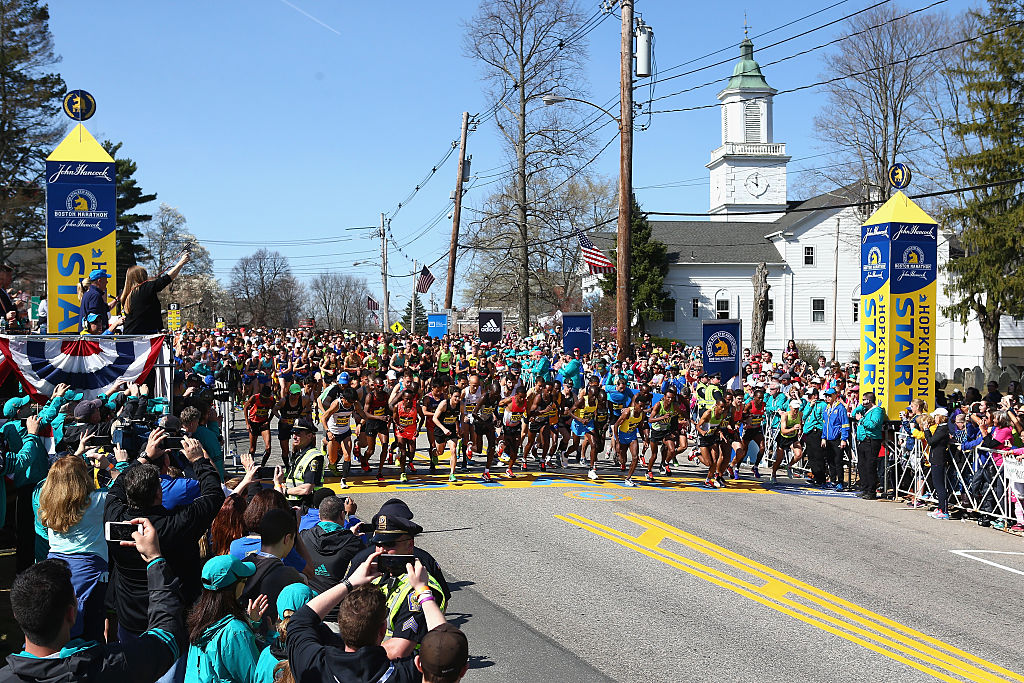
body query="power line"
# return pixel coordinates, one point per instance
(851, 75)
(801, 53)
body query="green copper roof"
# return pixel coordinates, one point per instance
(747, 73)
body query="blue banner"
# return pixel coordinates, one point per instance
(721, 347)
(437, 324)
(577, 332)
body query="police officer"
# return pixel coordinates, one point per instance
(306, 472)
(406, 624)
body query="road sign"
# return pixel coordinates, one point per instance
(174, 317)
(221, 324)
(397, 328)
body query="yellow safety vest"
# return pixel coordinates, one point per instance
(298, 469)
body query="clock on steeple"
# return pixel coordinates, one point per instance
(748, 171)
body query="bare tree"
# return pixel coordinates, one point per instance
(165, 236)
(263, 289)
(338, 301)
(760, 319)
(875, 113)
(528, 49)
(492, 278)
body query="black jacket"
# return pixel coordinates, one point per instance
(141, 661)
(330, 553)
(179, 530)
(271, 576)
(315, 655)
(424, 557)
(938, 441)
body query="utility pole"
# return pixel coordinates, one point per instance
(384, 272)
(835, 292)
(412, 311)
(623, 246)
(456, 213)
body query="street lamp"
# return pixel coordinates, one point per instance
(623, 246)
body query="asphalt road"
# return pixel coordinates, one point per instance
(562, 579)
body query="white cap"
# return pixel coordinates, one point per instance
(940, 412)
(794, 404)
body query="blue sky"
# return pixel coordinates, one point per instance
(265, 121)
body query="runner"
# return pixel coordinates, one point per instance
(485, 422)
(470, 442)
(259, 411)
(375, 429)
(406, 417)
(447, 418)
(583, 426)
(712, 442)
(662, 438)
(337, 423)
(625, 434)
(291, 407)
(789, 435)
(512, 420)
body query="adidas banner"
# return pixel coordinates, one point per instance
(490, 326)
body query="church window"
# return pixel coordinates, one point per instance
(752, 121)
(722, 309)
(668, 310)
(817, 310)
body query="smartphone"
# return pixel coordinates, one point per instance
(120, 531)
(172, 443)
(100, 440)
(264, 473)
(394, 564)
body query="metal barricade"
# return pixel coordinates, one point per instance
(978, 483)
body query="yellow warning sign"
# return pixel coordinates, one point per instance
(397, 328)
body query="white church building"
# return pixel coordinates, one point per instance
(812, 251)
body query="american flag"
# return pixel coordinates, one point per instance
(592, 256)
(426, 279)
(372, 305)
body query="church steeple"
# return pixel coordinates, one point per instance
(747, 72)
(748, 172)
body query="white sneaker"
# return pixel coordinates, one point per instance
(592, 474)
(629, 482)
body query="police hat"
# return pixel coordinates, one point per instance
(387, 529)
(304, 424)
(396, 507)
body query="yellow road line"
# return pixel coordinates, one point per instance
(362, 482)
(782, 593)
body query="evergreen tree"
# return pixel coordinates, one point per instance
(421, 317)
(130, 249)
(988, 280)
(30, 126)
(647, 271)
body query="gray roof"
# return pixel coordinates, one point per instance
(733, 241)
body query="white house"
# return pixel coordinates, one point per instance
(812, 251)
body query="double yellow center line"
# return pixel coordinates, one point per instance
(802, 601)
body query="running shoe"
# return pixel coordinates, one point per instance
(412, 468)
(753, 470)
(543, 466)
(668, 471)
(592, 474)
(716, 482)
(1017, 527)
(342, 484)
(643, 461)
(774, 479)
(510, 474)
(403, 477)
(839, 487)
(938, 514)
(380, 477)
(622, 467)
(451, 477)
(486, 476)
(915, 504)
(650, 477)
(789, 471)
(999, 524)
(522, 465)
(720, 481)
(694, 454)
(629, 482)
(708, 484)
(365, 464)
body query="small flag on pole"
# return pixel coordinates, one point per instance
(372, 305)
(426, 279)
(592, 256)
